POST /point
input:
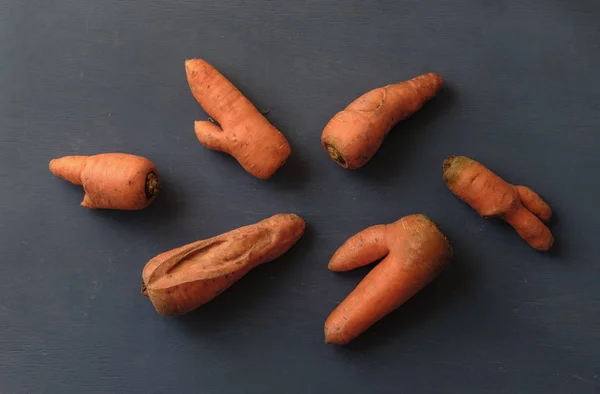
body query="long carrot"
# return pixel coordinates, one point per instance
(491, 196)
(354, 135)
(243, 132)
(414, 252)
(111, 180)
(184, 278)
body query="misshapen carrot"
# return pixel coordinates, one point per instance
(354, 135)
(243, 132)
(491, 196)
(414, 252)
(182, 279)
(111, 180)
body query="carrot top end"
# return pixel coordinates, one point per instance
(452, 168)
(336, 155)
(153, 185)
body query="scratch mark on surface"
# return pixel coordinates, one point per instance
(584, 379)
(87, 25)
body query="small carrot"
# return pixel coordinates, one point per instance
(242, 131)
(353, 136)
(491, 196)
(182, 279)
(110, 180)
(414, 252)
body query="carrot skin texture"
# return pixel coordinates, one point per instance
(491, 196)
(417, 252)
(353, 136)
(180, 280)
(110, 180)
(243, 132)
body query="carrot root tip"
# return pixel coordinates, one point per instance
(88, 202)
(153, 185)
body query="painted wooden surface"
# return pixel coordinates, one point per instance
(83, 77)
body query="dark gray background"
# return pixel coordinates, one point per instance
(84, 77)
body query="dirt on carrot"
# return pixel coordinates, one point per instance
(111, 180)
(491, 196)
(242, 131)
(353, 136)
(414, 252)
(182, 279)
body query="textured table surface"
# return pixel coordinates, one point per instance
(84, 77)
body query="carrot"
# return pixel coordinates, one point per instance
(414, 252)
(182, 279)
(353, 136)
(243, 132)
(110, 180)
(491, 196)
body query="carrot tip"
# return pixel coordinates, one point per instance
(86, 205)
(451, 168)
(88, 202)
(336, 155)
(326, 335)
(448, 163)
(153, 185)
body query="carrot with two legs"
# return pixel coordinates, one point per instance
(414, 252)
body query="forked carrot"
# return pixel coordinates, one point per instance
(491, 196)
(242, 131)
(414, 252)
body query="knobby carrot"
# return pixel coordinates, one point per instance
(354, 135)
(182, 279)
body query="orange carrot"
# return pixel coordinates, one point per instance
(354, 135)
(110, 180)
(491, 196)
(414, 252)
(182, 279)
(243, 132)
